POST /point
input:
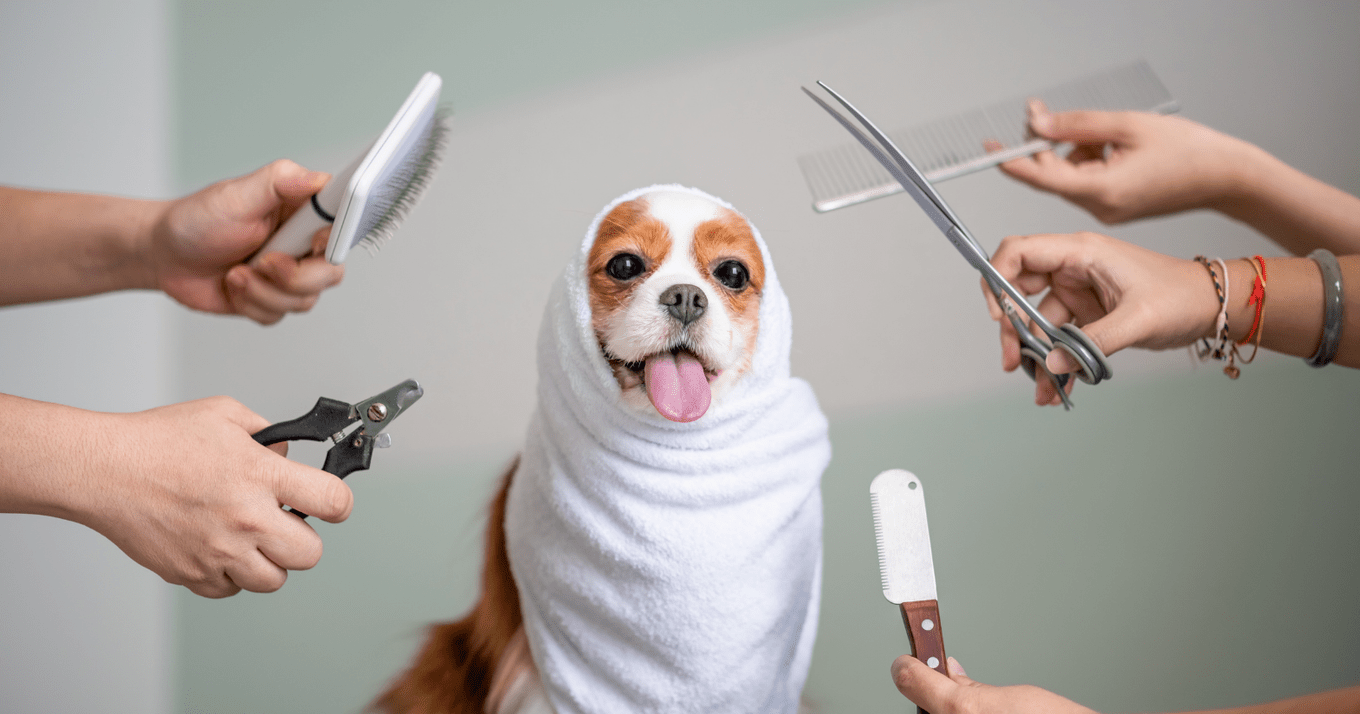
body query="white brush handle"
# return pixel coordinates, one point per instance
(294, 237)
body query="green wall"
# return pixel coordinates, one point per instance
(258, 79)
(1179, 541)
(1174, 543)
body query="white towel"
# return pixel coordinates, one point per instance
(664, 566)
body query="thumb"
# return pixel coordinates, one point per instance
(314, 492)
(1079, 127)
(927, 688)
(291, 182)
(1110, 334)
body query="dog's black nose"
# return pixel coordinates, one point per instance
(684, 302)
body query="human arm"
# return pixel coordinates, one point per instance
(61, 245)
(1123, 295)
(957, 694)
(183, 490)
(1129, 165)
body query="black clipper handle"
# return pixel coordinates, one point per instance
(353, 454)
(327, 418)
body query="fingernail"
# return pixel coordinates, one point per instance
(991, 145)
(1039, 118)
(955, 667)
(1059, 362)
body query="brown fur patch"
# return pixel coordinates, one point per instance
(454, 671)
(729, 237)
(725, 238)
(626, 229)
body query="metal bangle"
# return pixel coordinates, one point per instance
(1332, 303)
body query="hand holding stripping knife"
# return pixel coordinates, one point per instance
(905, 562)
(331, 417)
(1033, 349)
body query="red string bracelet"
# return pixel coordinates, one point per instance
(1258, 296)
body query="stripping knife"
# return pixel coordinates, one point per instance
(904, 560)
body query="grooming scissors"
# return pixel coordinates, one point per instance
(1033, 349)
(329, 419)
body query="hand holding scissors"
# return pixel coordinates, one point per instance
(1034, 350)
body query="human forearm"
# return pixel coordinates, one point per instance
(1129, 165)
(183, 489)
(1337, 701)
(1292, 317)
(47, 460)
(1292, 208)
(61, 245)
(956, 693)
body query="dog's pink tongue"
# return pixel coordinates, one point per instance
(677, 386)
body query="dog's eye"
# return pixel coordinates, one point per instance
(732, 274)
(624, 266)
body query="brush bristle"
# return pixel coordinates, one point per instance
(410, 182)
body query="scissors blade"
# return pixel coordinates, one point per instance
(901, 159)
(898, 165)
(919, 188)
(379, 410)
(899, 171)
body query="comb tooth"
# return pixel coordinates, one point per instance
(878, 540)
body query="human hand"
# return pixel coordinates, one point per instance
(186, 492)
(1121, 295)
(957, 694)
(1128, 165)
(200, 240)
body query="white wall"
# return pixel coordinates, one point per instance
(84, 106)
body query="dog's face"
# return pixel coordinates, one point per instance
(675, 287)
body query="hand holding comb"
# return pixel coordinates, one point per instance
(905, 562)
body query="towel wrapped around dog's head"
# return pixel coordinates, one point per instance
(666, 566)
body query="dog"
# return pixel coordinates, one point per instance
(674, 282)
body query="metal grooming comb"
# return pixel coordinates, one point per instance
(949, 147)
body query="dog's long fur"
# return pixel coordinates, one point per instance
(460, 667)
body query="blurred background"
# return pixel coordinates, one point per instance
(1179, 541)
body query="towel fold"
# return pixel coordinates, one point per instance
(665, 566)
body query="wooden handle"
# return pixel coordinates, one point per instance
(922, 619)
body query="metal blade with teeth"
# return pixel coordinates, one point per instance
(378, 411)
(904, 558)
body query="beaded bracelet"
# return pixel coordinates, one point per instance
(1210, 350)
